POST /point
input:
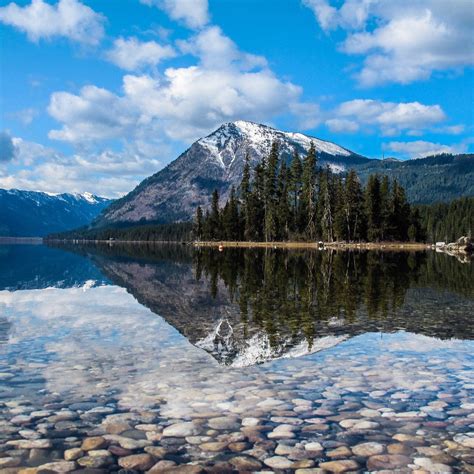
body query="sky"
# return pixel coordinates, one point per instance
(96, 95)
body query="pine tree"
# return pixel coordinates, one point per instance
(308, 205)
(258, 202)
(326, 211)
(339, 206)
(386, 224)
(353, 208)
(372, 208)
(283, 208)
(270, 193)
(294, 188)
(400, 212)
(215, 218)
(198, 225)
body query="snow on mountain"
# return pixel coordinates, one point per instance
(225, 143)
(216, 162)
(35, 214)
(230, 350)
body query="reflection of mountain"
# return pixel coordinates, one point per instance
(246, 307)
(37, 266)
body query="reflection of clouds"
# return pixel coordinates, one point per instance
(100, 341)
(420, 343)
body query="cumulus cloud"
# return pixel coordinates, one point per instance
(193, 13)
(7, 147)
(68, 18)
(420, 148)
(106, 172)
(132, 54)
(342, 125)
(93, 114)
(402, 42)
(390, 117)
(184, 103)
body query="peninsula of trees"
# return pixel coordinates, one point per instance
(295, 200)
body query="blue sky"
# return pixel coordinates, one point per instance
(95, 97)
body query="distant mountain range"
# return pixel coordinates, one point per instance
(36, 214)
(217, 161)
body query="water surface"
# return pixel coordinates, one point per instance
(239, 360)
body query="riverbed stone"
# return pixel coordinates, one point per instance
(73, 454)
(95, 442)
(337, 467)
(138, 462)
(245, 463)
(224, 423)
(278, 462)
(181, 430)
(58, 466)
(387, 461)
(368, 449)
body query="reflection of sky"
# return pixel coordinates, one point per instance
(99, 340)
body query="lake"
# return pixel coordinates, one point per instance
(173, 359)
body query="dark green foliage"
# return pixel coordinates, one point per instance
(448, 221)
(298, 202)
(177, 232)
(439, 178)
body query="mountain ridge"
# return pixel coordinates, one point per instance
(214, 162)
(35, 213)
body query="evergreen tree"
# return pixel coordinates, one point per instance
(325, 207)
(308, 188)
(353, 208)
(339, 206)
(372, 209)
(198, 226)
(283, 209)
(400, 212)
(294, 188)
(386, 224)
(270, 193)
(215, 217)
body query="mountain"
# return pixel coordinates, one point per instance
(214, 162)
(439, 178)
(217, 161)
(36, 214)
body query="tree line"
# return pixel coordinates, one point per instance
(280, 201)
(448, 221)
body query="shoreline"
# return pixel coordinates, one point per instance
(321, 246)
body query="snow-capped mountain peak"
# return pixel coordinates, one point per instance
(217, 162)
(224, 143)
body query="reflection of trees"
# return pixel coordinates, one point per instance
(305, 292)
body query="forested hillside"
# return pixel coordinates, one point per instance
(440, 178)
(448, 221)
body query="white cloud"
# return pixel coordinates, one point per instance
(193, 13)
(342, 125)
(403, 42)
(217, 51)
(391, 117)
(105, 173)
(94, 114)
(183, 103)
(420, 148)
(67, 18)
(132, 54)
